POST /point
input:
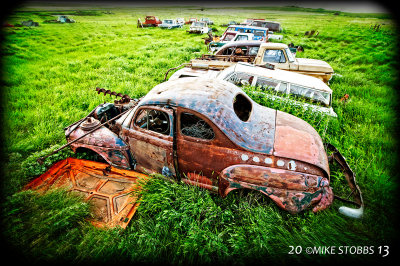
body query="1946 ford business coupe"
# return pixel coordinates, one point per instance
(210, 134)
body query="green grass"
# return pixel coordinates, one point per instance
(49, 76)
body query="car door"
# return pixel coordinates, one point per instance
(202, 150)
(150, 138)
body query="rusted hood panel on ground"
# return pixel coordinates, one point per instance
(214, 99)
(109, 189)
(298, 140)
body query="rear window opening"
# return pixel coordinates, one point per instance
(242, 107)
(196, 127)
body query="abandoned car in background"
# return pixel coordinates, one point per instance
(229, 23)
(180, 21)
(199, 27)
(170, 24)
(256, 33)
(210, 134)
(207, 20)
(271, 25)
(149, 21)
(191, 20)
(248, 21)
(247, 48)
(277, 54)
(313, 93)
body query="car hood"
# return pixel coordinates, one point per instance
(193, 72)
(296, 139)
(307, 64)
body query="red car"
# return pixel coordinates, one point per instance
(150, 21)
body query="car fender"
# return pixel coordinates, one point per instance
(105, 143)
(290, 190)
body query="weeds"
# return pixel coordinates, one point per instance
(50, 73)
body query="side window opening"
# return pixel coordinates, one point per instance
(310, 94)
(240, 78)
(266, 83)
(242, 38)
(153, 120)
(259, 33)
(242, 107)
(240, 50)
(228, 37)
(253, 50)
(193, 126)
(228, 51)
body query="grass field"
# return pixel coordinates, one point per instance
(49, 76)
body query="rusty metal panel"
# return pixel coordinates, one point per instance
(291, 190)
(108, 189)
(151, 150)
(214, 99)
(294, 138)
(103, 141)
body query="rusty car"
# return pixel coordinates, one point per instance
(170, 24)
(248, 48)
(191, 20)
(149, 21)
(209, 133)
(199, 27)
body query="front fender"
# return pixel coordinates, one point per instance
(104, 142)
(292, 191)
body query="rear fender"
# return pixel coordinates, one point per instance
(105, 143)
(292, 191)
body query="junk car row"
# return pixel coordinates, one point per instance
(199, 127)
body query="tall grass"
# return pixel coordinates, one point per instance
(50, 73)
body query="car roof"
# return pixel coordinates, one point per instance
(282, 75)
(214, 98)
(265, 21)
(248, 27)
(274, 45)
(236, 43)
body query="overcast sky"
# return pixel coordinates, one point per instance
(356, 6)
